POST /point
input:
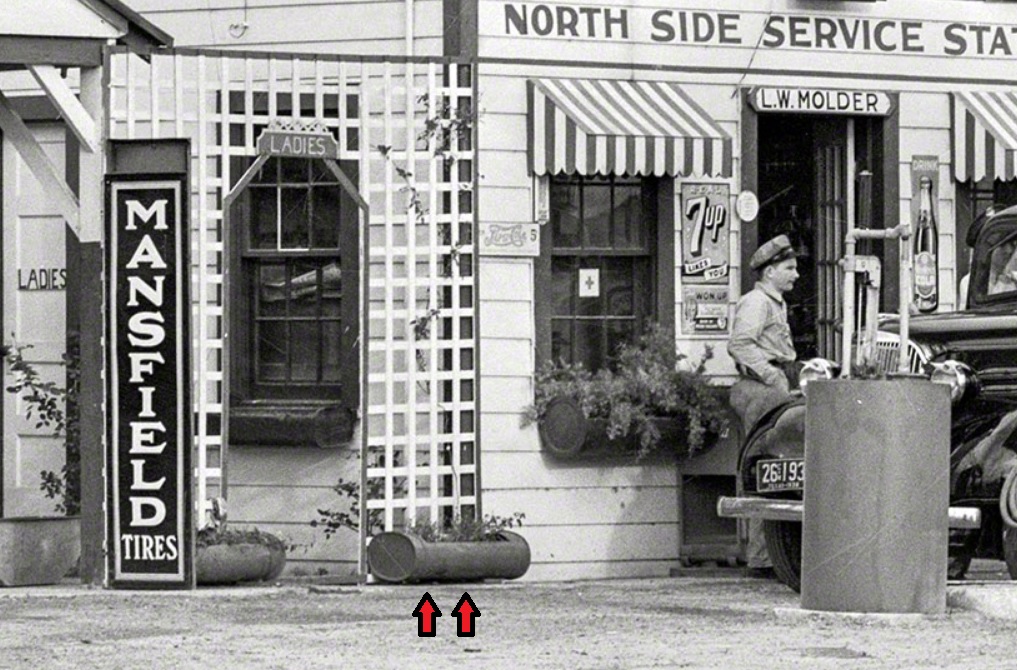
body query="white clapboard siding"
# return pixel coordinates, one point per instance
(308, 26)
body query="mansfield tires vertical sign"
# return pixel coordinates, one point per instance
(148, 473)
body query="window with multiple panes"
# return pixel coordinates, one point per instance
(294, 303)
(602, 257)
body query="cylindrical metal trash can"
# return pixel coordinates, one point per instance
(877, 496)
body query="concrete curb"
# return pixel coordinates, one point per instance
(997, 600)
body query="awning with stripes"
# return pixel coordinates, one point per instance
(984, 135)
(609, 127)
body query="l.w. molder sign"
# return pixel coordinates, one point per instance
(148, 469)
(820, 101)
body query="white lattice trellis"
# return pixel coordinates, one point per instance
(404, 124)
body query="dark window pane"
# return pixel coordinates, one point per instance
(597, 216)
(643, 287)
(591, 305)
(618, 286)
(268, 174)
(295, 214)
(565, 215)
(331, 343)
(589, 345)
(628, 217)
(320, 173)
(272, 290)
(562, 285)
(304, 348)
(618, 333)
(294, 170)
(271, 351)
(561, 340)
(263, 217)
(331, 293)
(304, 289)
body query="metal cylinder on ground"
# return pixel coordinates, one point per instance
(876, 506)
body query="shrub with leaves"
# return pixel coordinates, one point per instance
(55, 407)
(648, 379)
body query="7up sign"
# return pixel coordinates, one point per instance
(705, 213)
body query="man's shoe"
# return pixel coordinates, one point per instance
(760, 573)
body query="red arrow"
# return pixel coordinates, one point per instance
(464, 613)
(426, 610)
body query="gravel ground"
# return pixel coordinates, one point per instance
(709, 620)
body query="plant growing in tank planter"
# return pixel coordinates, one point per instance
(652, 400)
(44, 549)
(227, 555)
(458, 548)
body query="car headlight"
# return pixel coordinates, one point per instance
(817, 368)
(958, 376)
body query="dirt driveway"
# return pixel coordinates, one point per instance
(686, 622)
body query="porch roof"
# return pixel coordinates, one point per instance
(70, 32)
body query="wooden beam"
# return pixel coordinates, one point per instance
(39, 163)
(58, 51)
(74, 114)
(92, 423)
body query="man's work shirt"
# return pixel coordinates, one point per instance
(760, 334)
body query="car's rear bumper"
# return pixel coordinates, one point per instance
(776, 509)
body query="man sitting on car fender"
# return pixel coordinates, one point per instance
(764, 355)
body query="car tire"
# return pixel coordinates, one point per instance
(1010, 550)
(784, 544)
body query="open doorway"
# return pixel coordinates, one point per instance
(807, 171)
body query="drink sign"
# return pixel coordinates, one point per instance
(925, 232)
(148, 344)
(705, 309)
(706, 225)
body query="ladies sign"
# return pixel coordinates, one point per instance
(148, 377)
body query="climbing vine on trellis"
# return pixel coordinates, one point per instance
(444, 126)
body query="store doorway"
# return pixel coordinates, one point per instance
(808, 167)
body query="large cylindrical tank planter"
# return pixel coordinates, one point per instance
(875, 533)
(38, 550)
(234, 563)
(401, 557)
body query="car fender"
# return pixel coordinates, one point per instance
(780, 433)
(982, 461)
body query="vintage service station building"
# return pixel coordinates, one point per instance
(368, 272)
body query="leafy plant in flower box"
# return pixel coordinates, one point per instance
(651, 399)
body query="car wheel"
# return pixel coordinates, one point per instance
(1010, 550)
(784, 544)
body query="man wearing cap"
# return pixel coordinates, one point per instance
(764, 356)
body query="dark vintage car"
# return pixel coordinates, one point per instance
(974, 350)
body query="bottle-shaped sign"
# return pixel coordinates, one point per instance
(926, 248)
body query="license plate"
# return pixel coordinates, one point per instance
(780, 474)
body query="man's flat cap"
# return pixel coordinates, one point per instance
(779, 248)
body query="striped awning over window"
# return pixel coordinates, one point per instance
(984, 135)
(605, 127)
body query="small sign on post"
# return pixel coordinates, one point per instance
(148, 379)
